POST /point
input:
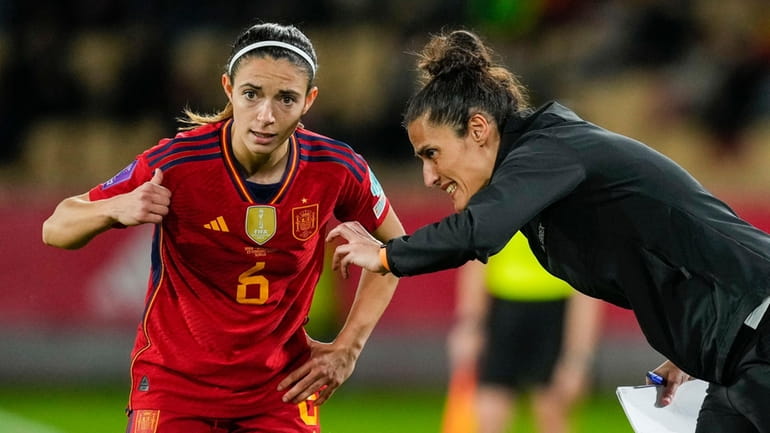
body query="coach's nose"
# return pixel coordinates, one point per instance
(429, 174)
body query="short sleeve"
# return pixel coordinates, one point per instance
(126, 180)
(363, 200)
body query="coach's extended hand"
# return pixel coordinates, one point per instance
(362, 249)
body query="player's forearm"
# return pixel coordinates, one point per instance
(372, 298)
(75, 222)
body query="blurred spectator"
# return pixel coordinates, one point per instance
(658, 33)
(34, 84)
(736, 99)
(693, 62)
(737, 42)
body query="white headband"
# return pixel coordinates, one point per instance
(260, 44)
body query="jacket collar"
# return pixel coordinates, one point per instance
(518, 124)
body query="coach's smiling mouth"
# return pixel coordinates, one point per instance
(450, 189)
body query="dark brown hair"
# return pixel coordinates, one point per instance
(256, 33)
(459, 78)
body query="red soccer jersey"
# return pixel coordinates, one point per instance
(232, 279)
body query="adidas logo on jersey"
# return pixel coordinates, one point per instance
(218, 225)
(144, 384)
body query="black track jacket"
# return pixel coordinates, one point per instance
(618, 221)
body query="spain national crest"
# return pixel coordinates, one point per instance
(260, 223)
(304, 221)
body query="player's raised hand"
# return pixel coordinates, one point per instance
(362, 249)
(148, 203)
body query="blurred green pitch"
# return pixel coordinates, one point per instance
(98, 408)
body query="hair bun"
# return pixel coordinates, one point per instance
(459, 50)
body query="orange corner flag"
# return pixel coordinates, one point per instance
(459, 413)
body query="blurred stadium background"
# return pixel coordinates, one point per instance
(87, 84)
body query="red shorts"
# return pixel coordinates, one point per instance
(290, 418)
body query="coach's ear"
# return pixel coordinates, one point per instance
(478, 129)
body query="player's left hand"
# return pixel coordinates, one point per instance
(328, 367)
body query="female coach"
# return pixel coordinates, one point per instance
(609, 215)
(240, 200)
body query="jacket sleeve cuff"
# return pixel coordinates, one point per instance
(384, 258)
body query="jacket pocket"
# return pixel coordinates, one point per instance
(663, 273)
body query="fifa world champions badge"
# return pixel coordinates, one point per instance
(261, 223)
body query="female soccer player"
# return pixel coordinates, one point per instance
(607, 214)
(241, 200)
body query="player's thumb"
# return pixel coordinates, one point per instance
(157, 177)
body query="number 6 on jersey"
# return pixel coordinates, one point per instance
(249, 278)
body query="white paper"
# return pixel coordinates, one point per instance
(678, 417)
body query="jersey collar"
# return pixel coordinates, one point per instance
(236, 176)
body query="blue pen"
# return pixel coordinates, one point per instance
(656, 379)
